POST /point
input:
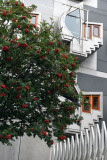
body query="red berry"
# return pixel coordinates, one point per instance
(35, 98)
(24, 105)
(26, 30)
(74, 81)
(14, 20)
(56, 50)
(66, 109)
(66, 66)
(49, 92)
(27, 87)
(32, 129)
(12, 41)
(3, 94)
(79, 120)
(8, 137)
(66, 85)
(74, 64)
(70, 107)
(59, 75)
(8, 59)
(63, 91)
(38, 51)
(24, 17)
(25, 45)
(18, 88)
(5, 48)
(51, 42)
(52, 142)
(44, 133)
(22, 4)
(72, 74)
(3, 86)
(18, 96)
(64, 137)
(55, 110)
(47, 120)
(4, 13)
(61, 138)
(43, 57)
(16, 3)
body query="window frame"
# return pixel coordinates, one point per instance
(96, 26)
(98, 102)
(89, 25)
(35, 15)
(89, 102)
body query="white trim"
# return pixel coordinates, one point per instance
(92, 72)
(92, 3)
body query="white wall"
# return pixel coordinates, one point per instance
(92, 3)
(28, 148)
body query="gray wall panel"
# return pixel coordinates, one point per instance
(102, 52)
(105, 109)
(102, 4)
(91, 83)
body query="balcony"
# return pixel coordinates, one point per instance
(84, 37)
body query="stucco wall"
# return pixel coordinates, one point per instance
(45, 7)
(26, 148)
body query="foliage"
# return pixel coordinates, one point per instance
(35, 71)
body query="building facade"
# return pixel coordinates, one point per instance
(83, 26)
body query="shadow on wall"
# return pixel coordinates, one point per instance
(26, 148)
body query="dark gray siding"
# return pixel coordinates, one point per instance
(90, 83)
(102, 4)
(100, 15)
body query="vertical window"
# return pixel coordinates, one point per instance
(89, 31)
(86, 104)
(96, 31)
(34, 19)
(96, 102)
(73, 23)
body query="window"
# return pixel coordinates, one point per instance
(89, 31)
(34, 19)
(96, 102)
(86, 104)
(73, 23)
(96, 31)
(91, 102)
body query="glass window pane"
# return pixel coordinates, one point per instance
(95, 102)
(75, 13)
(33, 20)
(89, 32)
(73, 23)
(96, 31)
(86, 107)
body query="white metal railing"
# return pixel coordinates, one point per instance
(89, 146)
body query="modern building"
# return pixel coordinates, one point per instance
(83, 26)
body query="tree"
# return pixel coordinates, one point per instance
(35, 71)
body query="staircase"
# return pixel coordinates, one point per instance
(90, 46)
(89, 119)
